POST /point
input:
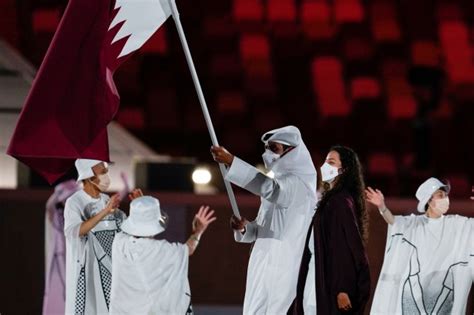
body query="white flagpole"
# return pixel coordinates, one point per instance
(202, 101)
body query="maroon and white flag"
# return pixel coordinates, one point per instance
(73, 97)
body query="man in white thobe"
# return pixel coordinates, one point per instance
(288, 200)
(150, 276)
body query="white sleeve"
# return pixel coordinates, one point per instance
(176, 251)
(75, 244)
(401, 222)
(280, 191)
(72, 219)
(250, 234)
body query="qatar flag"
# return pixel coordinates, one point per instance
(73, 97)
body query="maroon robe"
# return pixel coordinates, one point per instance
(340, 258)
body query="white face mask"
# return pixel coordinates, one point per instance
(329, 173)
(269, 159)
(104, 182)
(440, 206)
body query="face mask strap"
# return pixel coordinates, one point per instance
(341, 171)
(91, 180)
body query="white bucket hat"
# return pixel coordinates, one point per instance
(145, 217)
(84, 168)
(426, 190)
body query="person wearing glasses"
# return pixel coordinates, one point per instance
(288, 200)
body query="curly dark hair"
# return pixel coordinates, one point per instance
(352, 181)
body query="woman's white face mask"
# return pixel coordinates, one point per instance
(104, 182)
(329, 173)
(440, 206)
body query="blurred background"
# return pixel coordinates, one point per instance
(394, 80)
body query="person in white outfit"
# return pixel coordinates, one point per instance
(150, 276)
(427, 257)
(288, 200)
(91, 220)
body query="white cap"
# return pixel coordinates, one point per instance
(144, 219)
(426, 190)
(84, 168)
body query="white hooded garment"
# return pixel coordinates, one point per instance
(149, 277)
(279, 231)
(88, 258)
(427, 267)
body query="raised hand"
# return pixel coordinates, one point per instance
(203, 218)
(375, 197)
(113, 203)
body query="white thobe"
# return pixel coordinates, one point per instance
(149, 277)
(88, 258)
(279, 233)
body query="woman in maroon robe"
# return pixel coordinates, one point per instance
(340, 227)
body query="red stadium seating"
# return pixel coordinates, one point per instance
(365, 88)
(385, 25)
(316, 20)
(457, 51)
(329, 86)
(401, 104)
(348, 11)
(247, 10)
(231, 102)
(281, 10)
(381, 163)
(425, 53)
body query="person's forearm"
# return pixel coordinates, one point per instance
(387, 215)
(193, 242)
(88, 225)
